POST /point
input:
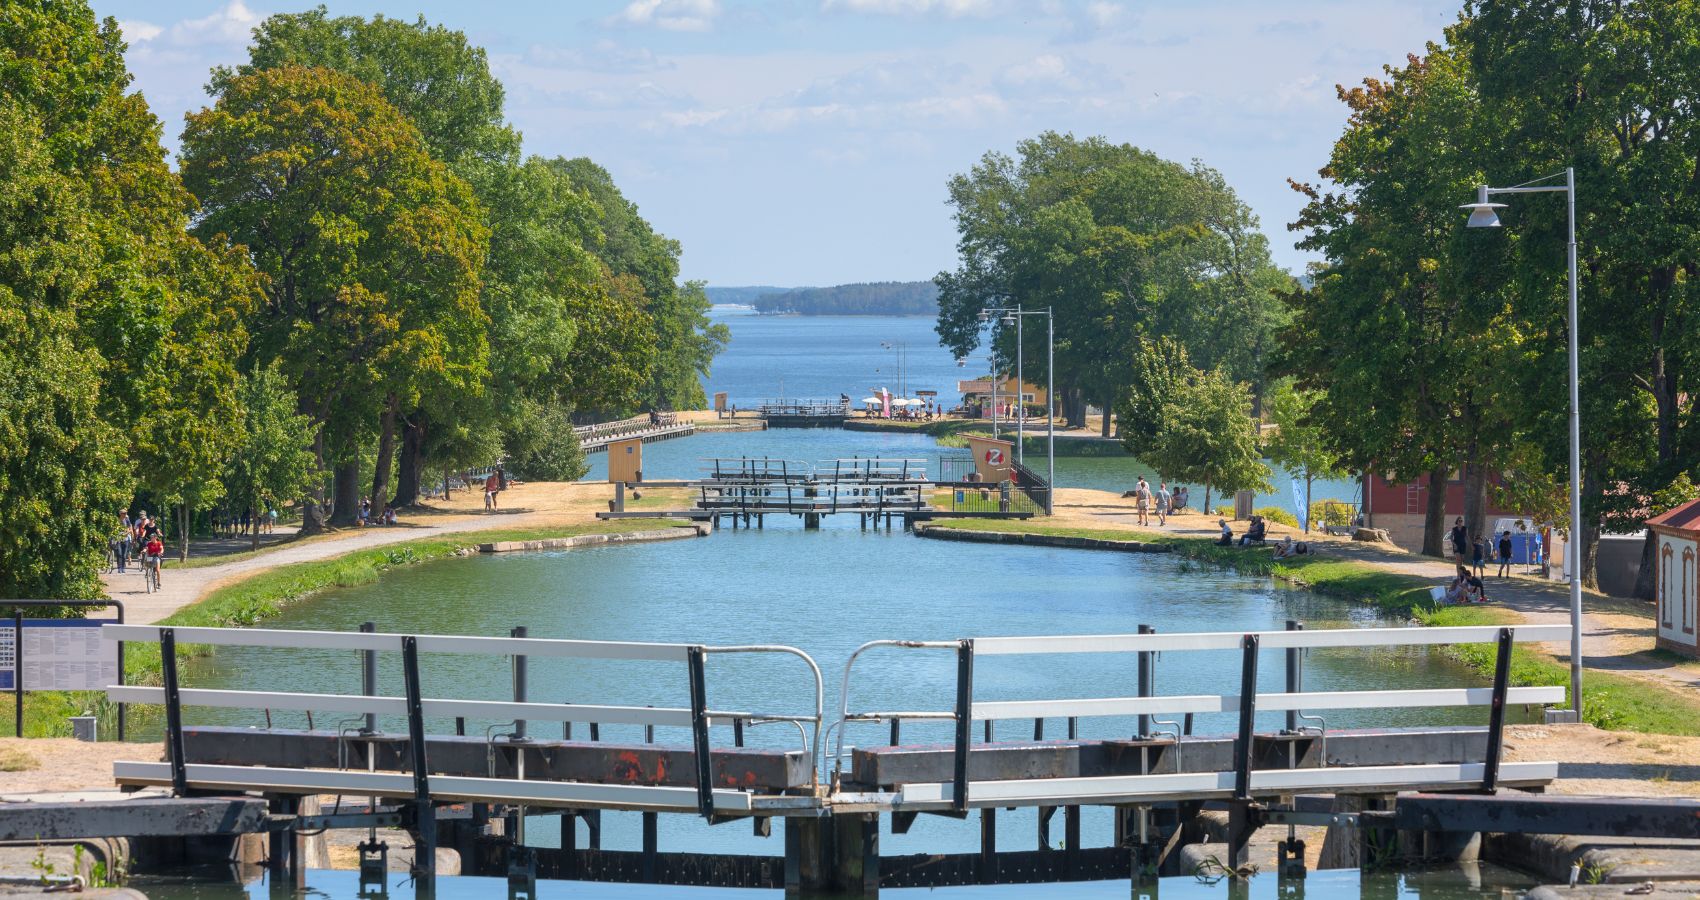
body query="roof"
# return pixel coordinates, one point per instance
(1684, 518)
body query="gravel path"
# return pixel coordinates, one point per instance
(1617, 634)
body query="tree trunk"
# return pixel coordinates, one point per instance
(1104, 427)
(410, 469)
(1590, 529)
(1206, 508)
(1434, 519)
(254, 523)
(446, 497)
(1647, 579)
(386, 456)
(345, 493)
(1074, 408)
(1475, 497)
(313, 505)
(183, 535)
(1310, 511)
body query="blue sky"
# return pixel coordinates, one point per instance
(794, 142)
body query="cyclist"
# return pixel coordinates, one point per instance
(152, 553)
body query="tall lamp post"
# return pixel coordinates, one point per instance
(1014, 315)
(1483, 214)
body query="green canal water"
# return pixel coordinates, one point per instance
(825, 592)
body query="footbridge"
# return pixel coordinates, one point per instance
(648, 427)
(452, 766)
(745, 490)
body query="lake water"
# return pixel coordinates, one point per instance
(822, 357)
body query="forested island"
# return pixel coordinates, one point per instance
(878, 298)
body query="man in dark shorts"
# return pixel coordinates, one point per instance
(1505, 554)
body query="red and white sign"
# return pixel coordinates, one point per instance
(994, 456)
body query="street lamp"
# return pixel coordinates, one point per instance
(1014, 315)
(1484, 214)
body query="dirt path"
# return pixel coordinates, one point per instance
(523, 506)
(1617, 634)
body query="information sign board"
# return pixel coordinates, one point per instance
(59, 655)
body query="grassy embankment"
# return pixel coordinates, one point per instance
(1609, 700)
(264, 595)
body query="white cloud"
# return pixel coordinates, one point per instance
(137, 31)
(1051, 75)
(668, 15)
(230, 24)
(954, 9)
(604, 56)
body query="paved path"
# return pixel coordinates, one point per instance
(181, 587)
(1615, 633)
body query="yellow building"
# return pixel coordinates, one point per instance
(981, 394)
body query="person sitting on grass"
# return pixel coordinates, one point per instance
(1475, 590)
(1289, 547)
(1227, 538)
(1458, 590)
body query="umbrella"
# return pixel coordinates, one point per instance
(872, 400)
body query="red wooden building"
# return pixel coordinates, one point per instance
(1679, 591)
(1400, 507)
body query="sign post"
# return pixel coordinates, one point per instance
(58, 655)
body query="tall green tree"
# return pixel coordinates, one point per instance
(685, 340)
(97, 232)
(1124, 247)
(1300, 445)
(372, 247)
(1206, 434)
(272, 460)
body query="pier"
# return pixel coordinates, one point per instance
(805, 413)
(448, 774)
(659, 427)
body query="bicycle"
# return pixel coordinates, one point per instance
(150, 573)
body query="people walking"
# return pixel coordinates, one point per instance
(1478, 549)
(1505, 554)
(1460, 541)
(492, 487)
(1163, 498)
(1142, 499)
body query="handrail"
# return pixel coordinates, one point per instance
(698, 717)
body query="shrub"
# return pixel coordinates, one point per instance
(1277, 515)
(1335, 512)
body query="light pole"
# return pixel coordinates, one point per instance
(1015, 315)
(1483, 215)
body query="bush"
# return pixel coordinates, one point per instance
(1335, 512)
(1226, 512)
(1277, 515)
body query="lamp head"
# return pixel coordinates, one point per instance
(985, 315)
(1482, 213)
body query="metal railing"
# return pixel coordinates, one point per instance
(698, 717)
(805, 408)
(1242, 780)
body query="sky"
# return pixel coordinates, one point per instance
(809, 142)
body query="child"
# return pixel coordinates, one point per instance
(1477, 551)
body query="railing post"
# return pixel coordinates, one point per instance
(425, 815)
(699, 732)
(173, 710)
(1248, 713)
(1147, 675)
(369, 676)
(18, 671)
(519, 682)
(964, 725)
(1295, 675)
(1496, 713)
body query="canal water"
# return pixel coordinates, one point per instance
(825, 592)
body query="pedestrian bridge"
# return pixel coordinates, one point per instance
(835, 776)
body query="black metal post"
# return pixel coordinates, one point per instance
(896, 731)
(369, 676)
(123, 708)
(1147, 675)
(425, 815)
(1496, 713)
(18, 673)
(173, 711)
(964, 724)
(699, 732)
(1295, 675)
(1248, 713)
(519, 682)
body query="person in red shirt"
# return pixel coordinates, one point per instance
(152, 553)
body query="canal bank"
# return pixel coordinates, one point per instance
(1629, 687)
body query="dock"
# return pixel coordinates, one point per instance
(656, 427)
(830, 781)
(805, 413)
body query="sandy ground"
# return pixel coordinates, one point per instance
(1617, 634)
(63, 764)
